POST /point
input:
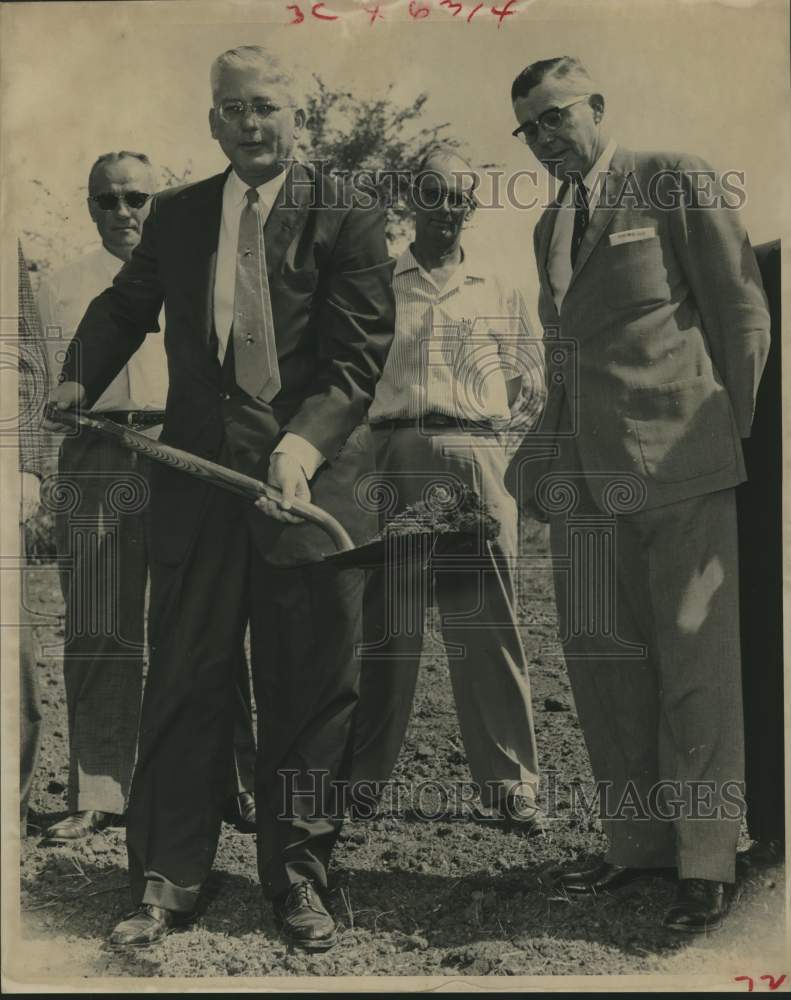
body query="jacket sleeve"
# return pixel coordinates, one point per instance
(118, 319)
(723, 276)
(356, 322)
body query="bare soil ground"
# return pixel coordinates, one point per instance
(447, 897)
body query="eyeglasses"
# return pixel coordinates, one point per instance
(430, 197)
(232, 112)
(550, 120)
(109, 202)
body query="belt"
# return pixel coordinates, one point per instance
(132, 418)
(439, 420)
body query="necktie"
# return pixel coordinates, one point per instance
(255, 354)
(581, 219)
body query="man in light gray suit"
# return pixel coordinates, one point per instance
(648, 280)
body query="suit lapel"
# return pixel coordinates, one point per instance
(622, 162)
(202, 236)
(289, 209)
(546, 227)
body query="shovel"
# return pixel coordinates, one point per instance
(420, 544)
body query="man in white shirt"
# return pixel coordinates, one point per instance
(460, 377)
(101, 531)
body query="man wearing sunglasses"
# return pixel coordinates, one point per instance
(646, 270)
(105, 591)
(462, 380)
(279, 318)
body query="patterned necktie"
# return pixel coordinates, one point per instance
(255, 353)
(581, 219)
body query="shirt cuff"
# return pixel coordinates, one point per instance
(308, 456)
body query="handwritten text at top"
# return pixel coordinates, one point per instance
(418, 10)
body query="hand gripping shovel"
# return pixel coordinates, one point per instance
(418, 544)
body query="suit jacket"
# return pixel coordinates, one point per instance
(330, 283)
(665, 337)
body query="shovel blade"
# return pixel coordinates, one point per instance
(395, 550)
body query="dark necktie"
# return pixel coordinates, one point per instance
(255, 353)
(581, 219)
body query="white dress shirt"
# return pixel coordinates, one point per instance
(455, 349)
(559, 259)
(234, 197)
(63, 298)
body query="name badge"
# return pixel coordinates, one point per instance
(632, 236)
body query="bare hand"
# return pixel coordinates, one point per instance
(66, 396)
(287, 475)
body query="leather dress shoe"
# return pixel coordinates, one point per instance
(606, 877)
(521, 815)
(304, 919)
(240, 812)
(80, 824)
(699, 906)
(146, 925)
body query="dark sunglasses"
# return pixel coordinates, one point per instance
(109, 202)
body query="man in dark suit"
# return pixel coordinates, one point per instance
(649, 285)
(279, 315)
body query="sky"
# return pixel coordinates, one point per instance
(699, 77)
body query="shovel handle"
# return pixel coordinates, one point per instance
(202, 468)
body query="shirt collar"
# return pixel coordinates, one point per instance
(593, 180)
(236, 189)
(602, 165)
(407, 262)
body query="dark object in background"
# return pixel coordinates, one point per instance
(759, 503)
